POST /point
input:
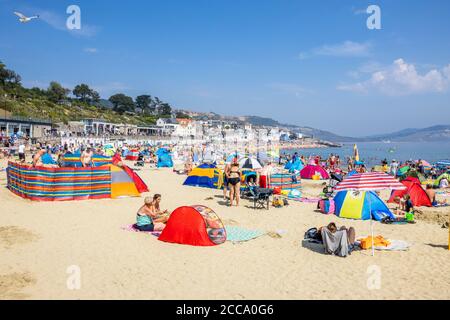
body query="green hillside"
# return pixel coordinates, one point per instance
(60, 104)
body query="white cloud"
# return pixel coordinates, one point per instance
(402, 78)
(344, 49)
(90, 50)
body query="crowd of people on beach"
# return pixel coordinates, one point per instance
(150, 217)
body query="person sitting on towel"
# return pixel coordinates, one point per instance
(432, 195)
(351, 234)
(149, 217)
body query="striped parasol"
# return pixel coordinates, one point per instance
(370, 181)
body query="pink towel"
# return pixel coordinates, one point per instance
(129, 227)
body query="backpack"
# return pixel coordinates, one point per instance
(313, 235)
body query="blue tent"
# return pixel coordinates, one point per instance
(164, 158)
(205, 175)
(361, 205)
(296, 166)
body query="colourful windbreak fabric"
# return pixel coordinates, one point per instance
(59, 184)
(73, 160)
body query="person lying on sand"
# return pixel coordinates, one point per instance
(149, 217)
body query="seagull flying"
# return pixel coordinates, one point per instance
(23, 18)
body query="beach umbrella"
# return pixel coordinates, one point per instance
(369, 181)
(443, 163)
(250, 163)
(232, 156)
(424, 163)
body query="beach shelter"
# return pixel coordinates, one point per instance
(250, 163)
(419, 197)
(132, 155)
(122, 184)
(205, 175)
(73, 183)
(195, 225)
(443, 176)
(369, 181)
(361, 205)
(164, 158)
(310, 170)
(403, 170)
(292, 166)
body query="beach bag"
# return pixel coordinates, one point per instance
(327, 206)
(277, 202)
(277, 190)
(313, 234)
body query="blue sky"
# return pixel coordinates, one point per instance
(312, 63)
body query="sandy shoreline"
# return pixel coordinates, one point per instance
(39, 241)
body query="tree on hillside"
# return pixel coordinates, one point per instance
(165, 109)
(181, 115)
(144, 102)
(85, 94)
(122, 103)
(8, 78)
(56, 92)
(95, 96)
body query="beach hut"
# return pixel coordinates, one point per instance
(361, 205)
(419, 197)
(195, 225)
(205, 175)
(73, 183)
(310, 170)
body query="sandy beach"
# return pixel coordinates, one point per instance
(39, 241)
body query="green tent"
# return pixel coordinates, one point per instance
(442, 176)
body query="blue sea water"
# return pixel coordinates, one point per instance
(372, 153)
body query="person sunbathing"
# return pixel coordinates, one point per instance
(149, 217)
(351, 233)
(432, 195)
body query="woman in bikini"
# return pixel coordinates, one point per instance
(234, 182)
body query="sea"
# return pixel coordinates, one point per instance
(372, 153)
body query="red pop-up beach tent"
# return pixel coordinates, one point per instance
(194, 225)
(417, 194)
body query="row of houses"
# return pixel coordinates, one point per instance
(179, 129)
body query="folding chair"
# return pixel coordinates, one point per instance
(260, 197)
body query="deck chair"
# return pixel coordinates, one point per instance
(260, 198)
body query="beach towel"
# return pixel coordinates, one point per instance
(335, 243)
(130, 227)
(239, 234)
(394, 245)
(306, 200)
